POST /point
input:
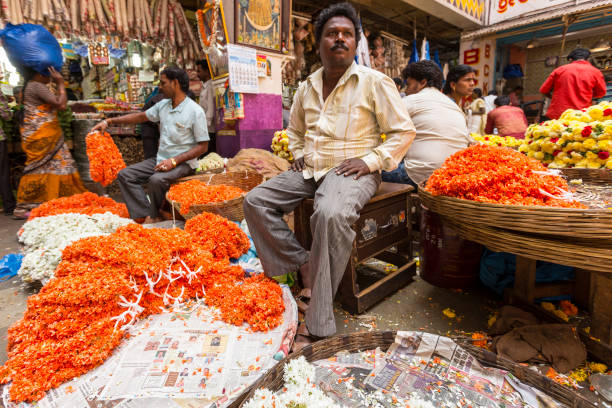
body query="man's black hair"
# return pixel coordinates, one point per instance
(502, 100)
(180, 75)
(203, 63)
(478, 92)
(426, 69)
(398, 81)
(493, 92)
(579, 54)
(338, 9)
(455, 74)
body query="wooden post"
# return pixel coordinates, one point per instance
(601, 316)
(524, 279)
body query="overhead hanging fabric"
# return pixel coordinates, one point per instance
(414, 57)
(436, 58)
(363, 51)
(425, 50)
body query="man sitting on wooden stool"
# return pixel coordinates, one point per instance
(337, 118)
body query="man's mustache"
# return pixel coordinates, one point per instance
(339, 45)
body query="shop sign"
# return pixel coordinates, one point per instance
(480, 56)
(473, 8)
(501, 10)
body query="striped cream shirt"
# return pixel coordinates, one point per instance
(348, 124)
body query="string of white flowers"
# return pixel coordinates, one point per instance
(45, 238)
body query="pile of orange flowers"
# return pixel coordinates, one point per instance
(197, 192)
(105, 160)
(104, 284)
(500, 175)
(222, 237)
(85, 203)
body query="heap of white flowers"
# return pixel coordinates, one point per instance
(300, 390)
(46, 237)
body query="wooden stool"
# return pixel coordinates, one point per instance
(384, 222)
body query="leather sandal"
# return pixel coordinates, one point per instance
(303, 338)
(303, 300)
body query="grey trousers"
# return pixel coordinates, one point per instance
(134, 177)
(337, 203)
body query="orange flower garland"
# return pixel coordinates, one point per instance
(85, 203)
(500, 175)
(197, 192)
(222, 237)
(105, 160)
(75, 322)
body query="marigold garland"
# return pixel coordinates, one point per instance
(197, 192)
(85, 203)
(104, 283)
(500, 175)
(105, 160)
(220, 236)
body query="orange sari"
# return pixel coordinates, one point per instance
(50, 170)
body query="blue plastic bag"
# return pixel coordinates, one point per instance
(9, 266)
(32, 46)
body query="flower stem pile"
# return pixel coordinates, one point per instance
(104, 284)
(500, 175)
(579, 138)
(85, 203)
(105, 160)
(194, 192)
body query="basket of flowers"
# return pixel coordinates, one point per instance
(220, 194)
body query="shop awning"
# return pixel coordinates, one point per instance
(592, 6)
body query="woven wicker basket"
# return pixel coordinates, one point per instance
(593, 255)
(597, 176)
(230, 209)
(565, 222)
(353, 342)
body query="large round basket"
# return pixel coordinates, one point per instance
(569, 222)
(230, 209)
(596, 176)
(273, 379)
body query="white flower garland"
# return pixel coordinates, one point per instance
(46, 237)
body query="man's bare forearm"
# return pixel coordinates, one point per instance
(192, 153)
(132, 118)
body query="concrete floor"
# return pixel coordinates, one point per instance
(417, 306)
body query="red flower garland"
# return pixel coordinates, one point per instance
(105, 160)
(85, 203)
(494, 174)
(197, 192)
(220, 236)
(67, 328)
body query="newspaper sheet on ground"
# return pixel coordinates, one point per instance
(426, 366)
(185, 358)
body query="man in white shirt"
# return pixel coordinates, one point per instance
(440, 125)
(207, 101)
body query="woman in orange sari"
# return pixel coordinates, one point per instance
(50, 171)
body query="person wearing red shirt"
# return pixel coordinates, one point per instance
(509, 120)
(573, 86)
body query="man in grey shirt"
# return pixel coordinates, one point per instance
(183, 138)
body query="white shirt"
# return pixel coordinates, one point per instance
(489, 105)
(207, 102)
(440, 131)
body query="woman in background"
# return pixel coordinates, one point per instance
(50, 171)
(477, 113)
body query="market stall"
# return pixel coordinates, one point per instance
(521, 207)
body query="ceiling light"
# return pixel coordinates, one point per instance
(532, 43)
(601, 45)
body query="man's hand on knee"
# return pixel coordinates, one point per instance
(298, 164)
(353, 166)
